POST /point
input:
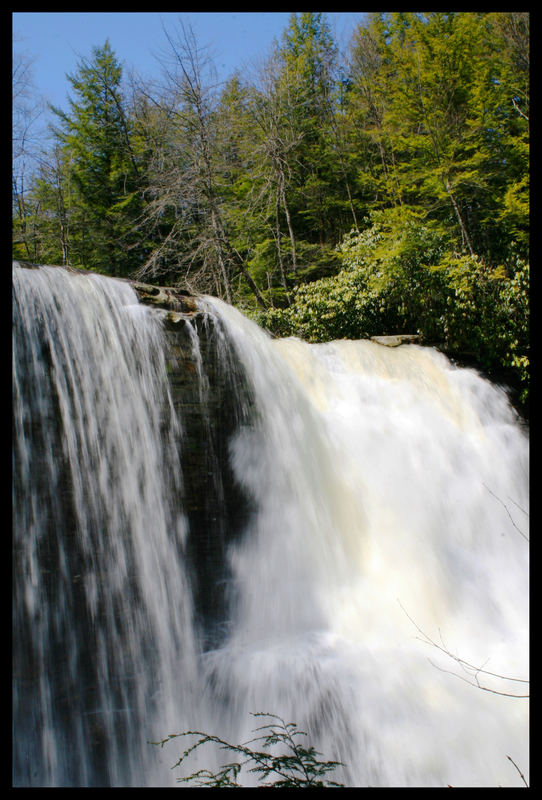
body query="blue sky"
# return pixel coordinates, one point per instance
(56, 41)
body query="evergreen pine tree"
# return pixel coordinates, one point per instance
(102, 168)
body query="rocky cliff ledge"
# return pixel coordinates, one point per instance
(176, 300)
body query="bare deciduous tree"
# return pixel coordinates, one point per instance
(185, 174)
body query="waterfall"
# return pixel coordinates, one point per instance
(101, 598)
(210, 523)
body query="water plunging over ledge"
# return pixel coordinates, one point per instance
(209, 523)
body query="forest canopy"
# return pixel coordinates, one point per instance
(327, 193)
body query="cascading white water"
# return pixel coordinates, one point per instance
(385, 480)
(101, 600)
(390, 499)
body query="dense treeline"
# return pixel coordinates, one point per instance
(330, 194)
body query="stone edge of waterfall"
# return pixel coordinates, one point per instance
(178, 302)
(177, 305)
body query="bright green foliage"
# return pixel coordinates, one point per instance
(433, 102)
(487, 316)
(387, 284)
(101, 167)
(289, 205)
(399, 276)
(241, 181)
(279, 762)
(41, 229)
(310, 77)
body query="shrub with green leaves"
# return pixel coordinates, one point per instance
(401, 275)
(280, 759)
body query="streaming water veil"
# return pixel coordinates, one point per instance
(388, 498)
(377, 474)
(102, 612)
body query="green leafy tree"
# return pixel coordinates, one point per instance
(299, 178)
(370, 96)
(103, 171)
(242, 184)
(439, 106)
(321, 182)
(47, 219)
(506, 152)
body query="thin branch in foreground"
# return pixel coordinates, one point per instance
(470, 669)
(521, 775)
(299, 766)
(508, 512)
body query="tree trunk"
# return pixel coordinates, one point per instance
(465, 240)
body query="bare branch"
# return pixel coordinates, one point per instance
(518, 109)
(472, 671)
(508, 512)
(521, 775)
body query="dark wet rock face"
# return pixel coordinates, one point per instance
(212, 400)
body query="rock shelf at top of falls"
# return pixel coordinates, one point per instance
(168, 298)
(164, 297)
